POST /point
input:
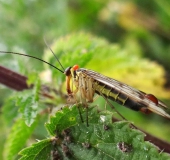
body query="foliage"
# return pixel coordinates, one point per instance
(143, 22)
(102, 139)
(29, 106)
(17, 138)
(115, 38)
(27, 101)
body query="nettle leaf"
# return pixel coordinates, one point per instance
(130, 69)
(102, 139)
(28, 106)
(17, 138)
(63, 119)
(75, 48)
(40, 150)
(37, 87)
(33, 78)
(121, 63)
(9, 110)
(28, 103)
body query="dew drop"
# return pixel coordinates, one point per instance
(145, 148)
(102, 118)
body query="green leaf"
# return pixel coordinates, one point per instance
(17, 138)
(102, 139)
(28, 101)
(40, 150)
(76, 48)
(9, 110)
(121, 63)
(28, 106)
(36, 90)
(124, 66)
(63, 119)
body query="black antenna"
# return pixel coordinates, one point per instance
(34, 58)
(54, 54)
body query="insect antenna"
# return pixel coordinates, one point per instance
(54, 54)
(26, 55)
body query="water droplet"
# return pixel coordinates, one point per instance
(145, 148)
(102, 118)
(138, 138)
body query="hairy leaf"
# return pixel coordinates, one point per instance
(101, 139)
(76, 48)
(9, 110)
(28, 107)
(28, 103)
(17, 138)
(40, 150)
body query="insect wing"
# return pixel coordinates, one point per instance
(132, 93)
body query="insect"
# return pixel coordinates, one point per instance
(88, 83)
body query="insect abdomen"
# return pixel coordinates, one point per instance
(116, 95)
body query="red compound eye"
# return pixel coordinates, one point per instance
(152, 98)
(75, 67)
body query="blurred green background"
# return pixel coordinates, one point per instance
(137, 34)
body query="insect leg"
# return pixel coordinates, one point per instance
(110, 104)
(80, 114)
(72, 94)
(89, 89)
(76, 83)
(82, 89)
